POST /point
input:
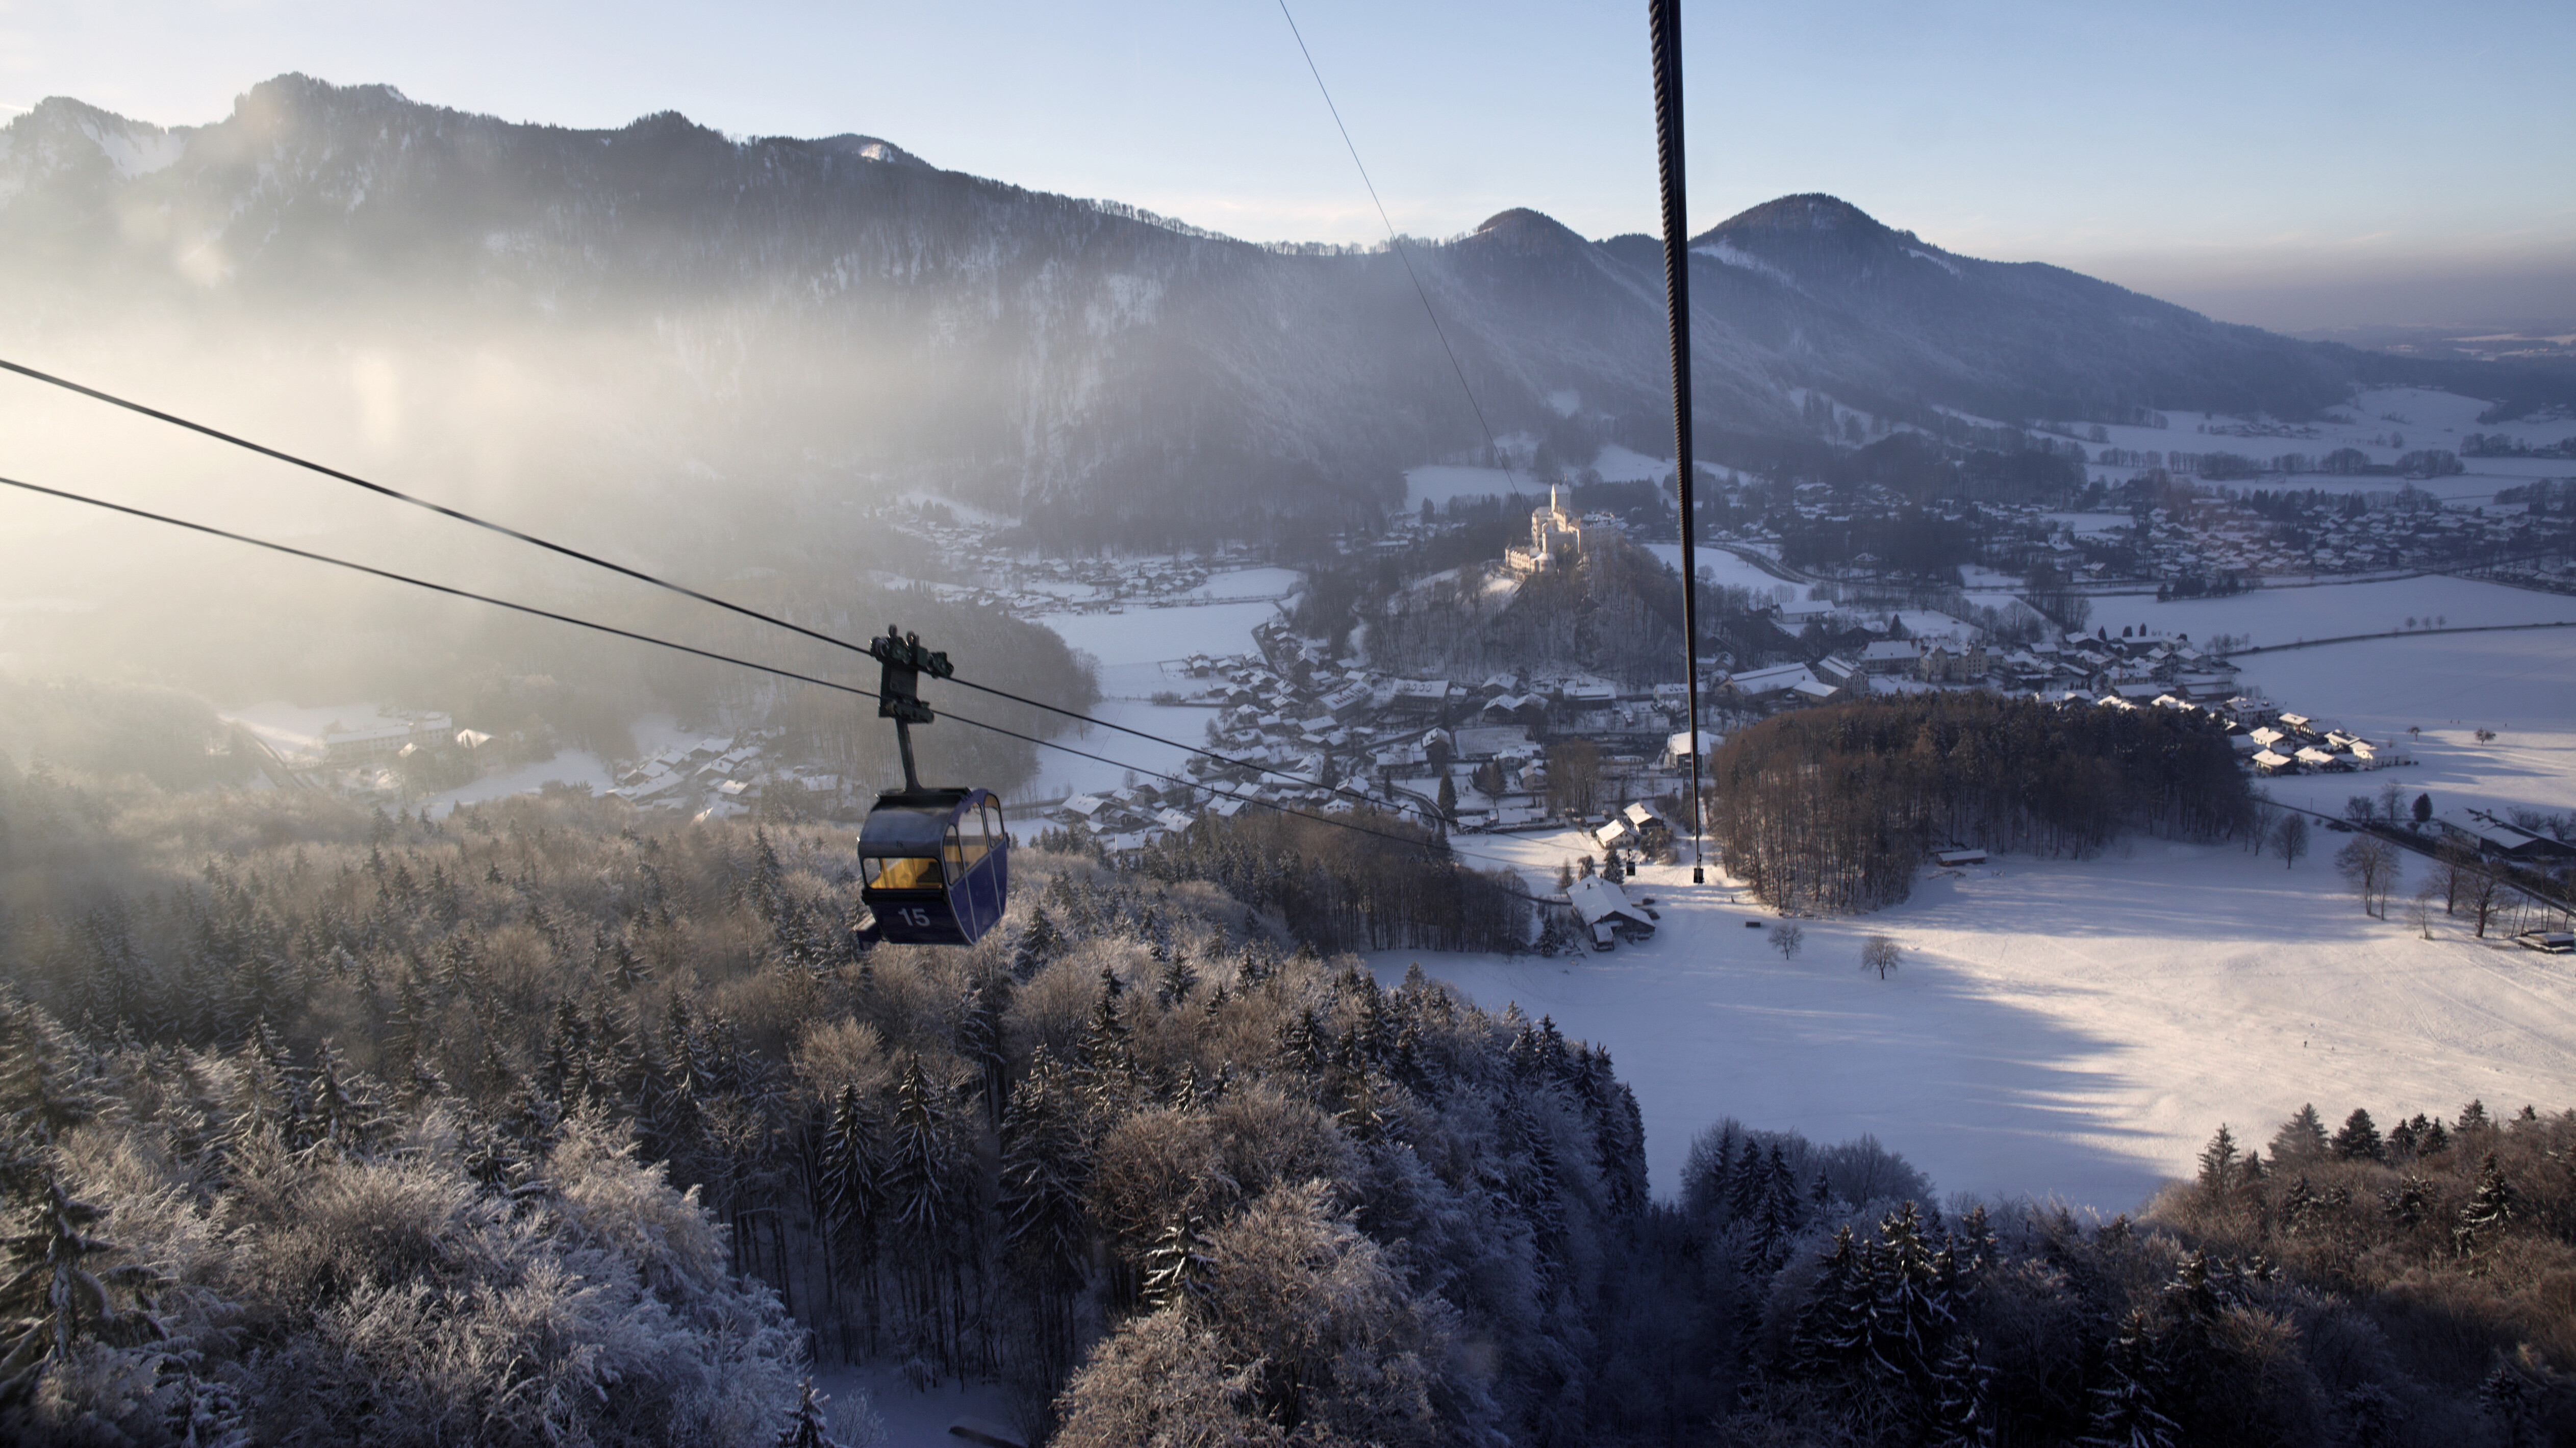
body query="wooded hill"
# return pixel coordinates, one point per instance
(1833, 809)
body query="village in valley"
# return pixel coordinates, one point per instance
(1308, 720)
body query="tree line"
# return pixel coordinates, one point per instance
(1832, 809)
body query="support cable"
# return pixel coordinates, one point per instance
(1397, 242)
(637, 574)
(1664, 17)
(722, 658)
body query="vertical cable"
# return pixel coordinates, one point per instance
(1664, 18)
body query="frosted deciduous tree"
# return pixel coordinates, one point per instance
(2290, 839)
(1881, 954)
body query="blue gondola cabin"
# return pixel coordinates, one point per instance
(934, 865)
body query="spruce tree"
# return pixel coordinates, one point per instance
(1176, 1265)
(981, 1041)
(1961, 1412)
(49, 1080)
(917, 1186)
(1909, 1313)
(805, 1422)
(2489, 1208)
(1038, 945)
(2359, 1139)
(2218, 1163)
(2302, 1138)
(2125, 1411)
(60, 1296)
(1833, 1319)
(1044, 1171)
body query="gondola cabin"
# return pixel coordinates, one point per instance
(934, 865)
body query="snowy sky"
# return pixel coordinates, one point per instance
(2287, 162)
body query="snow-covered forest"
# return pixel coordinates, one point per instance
(553, 1122)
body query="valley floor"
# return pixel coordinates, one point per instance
(2063, 1029)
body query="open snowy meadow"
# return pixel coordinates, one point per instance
(2056, 1028)
(2290, 614)
(1134, 648)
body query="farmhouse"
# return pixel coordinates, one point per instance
(1606, 912)
(2484, 833)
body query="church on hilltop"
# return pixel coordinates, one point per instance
(1556, 539)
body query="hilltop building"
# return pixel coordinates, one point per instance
(1556, 539)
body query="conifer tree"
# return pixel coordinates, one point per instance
(1176, 1265)
(59, 1296)
(1833, 1320)
(2126, 1412)
(2489, 1208)
(49, 1083)
(2359, 1139)
(917, 1162)
(2218, 1163)
(2302, 1138)
(1038, 945)
(1177, 980)
(2298, 1204)
(980, 1038)
(2406, 1201)
(1909, 1312)
(805, 1423)
(1961, 1414)
(1044, 1171)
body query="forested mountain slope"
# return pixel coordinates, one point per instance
(828, 314)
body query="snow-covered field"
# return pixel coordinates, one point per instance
(1725, 569)
(1248, 583)
(2334, 610)
(2090, 525)
(1132, 648)
(2522, 685)
(907, 1418)
(2056, 1028)
(1617, 464)
(2385, 423)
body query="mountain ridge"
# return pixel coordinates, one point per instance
(1055, 357)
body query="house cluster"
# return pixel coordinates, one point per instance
(725, 779)
(1299, 730)
(2342, 533)
(1133, 816)
(2273, 741)
(2137, 665)
(1919, 648)
(1003, 576)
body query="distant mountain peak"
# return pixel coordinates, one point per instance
(870, 148)
(1523, 229)
(1801, 216)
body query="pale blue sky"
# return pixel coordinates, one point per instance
(2293, 164)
